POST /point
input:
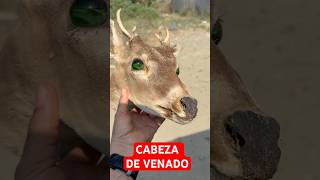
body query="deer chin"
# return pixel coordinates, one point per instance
(166, 113)
(149, 110)
(177, 117)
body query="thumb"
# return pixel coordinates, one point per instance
(42, 137)
(123, 102)
(46, 116)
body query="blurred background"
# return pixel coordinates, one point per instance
(8, 17)
(149, 15)
(274, 45)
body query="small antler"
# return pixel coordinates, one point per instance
(166, 40)
(123, 29)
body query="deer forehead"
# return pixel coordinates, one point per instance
(139, 46)
(154, 55)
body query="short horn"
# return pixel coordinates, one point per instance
(158, 37)
(123, 29)
(167, 39)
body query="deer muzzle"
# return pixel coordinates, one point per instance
(256, 140)
(190, 107)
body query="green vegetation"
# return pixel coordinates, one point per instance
(147, 15)
(136, 9)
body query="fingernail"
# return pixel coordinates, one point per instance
(123, 91)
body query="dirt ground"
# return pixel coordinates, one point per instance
(274, 45)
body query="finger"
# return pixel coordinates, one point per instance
(83, 154)
(80, 171)
(155, 121)
(159, 120)
(146, 121)
(135, 110)
(123, 102)
(40, 146)
(46, 116)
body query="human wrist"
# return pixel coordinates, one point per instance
(121, 148)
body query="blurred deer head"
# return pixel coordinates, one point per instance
(244, 140)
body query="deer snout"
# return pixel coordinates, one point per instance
(255, 139)
(189, 106)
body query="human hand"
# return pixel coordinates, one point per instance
(40, 157)
(131, 127)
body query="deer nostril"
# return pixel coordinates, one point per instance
(189, 106)
(236, 137)
(183, 105)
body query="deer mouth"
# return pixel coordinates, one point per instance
(166, 112)
(175, 117)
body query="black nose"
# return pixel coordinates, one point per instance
(256, 140)
(189, 106)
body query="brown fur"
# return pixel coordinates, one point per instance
(229, 95)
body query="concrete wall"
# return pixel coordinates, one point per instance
(198, 6)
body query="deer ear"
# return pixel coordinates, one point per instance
(120, 38)
(118, 42)
(177, 48)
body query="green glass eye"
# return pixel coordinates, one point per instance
(217, 31)
(89, 13)
(178, 71)
(137, 64)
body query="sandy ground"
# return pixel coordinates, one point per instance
(274, 45)
(194, 63)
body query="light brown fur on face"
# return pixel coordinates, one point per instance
(244, 140)
(157, 88)
(230, 95)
